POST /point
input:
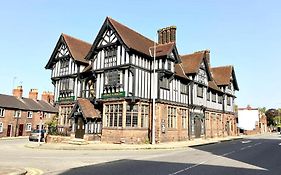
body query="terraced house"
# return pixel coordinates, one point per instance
(126, 88)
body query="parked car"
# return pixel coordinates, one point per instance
(35, 134)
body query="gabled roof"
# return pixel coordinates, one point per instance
(222, 76)
(179, 71)
(131, 38)
(78, 49)
(191, 62)
(87, 108)
(12, 102)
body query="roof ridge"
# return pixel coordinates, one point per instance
(63, 34)
(111, 19)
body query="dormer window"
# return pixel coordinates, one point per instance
(110, 57)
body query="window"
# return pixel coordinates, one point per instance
(113, 113)
(172, 117)
(17, 114)
(144, 116)
(183, 118)
(28, 127)
(202, 76)
(1, 127)
(208, 95)
(220, 99)
(132, 116)
(65, 111)
(169, 65)
(184, 89)
(110, 58)
(64, 67)
(67, 84)
(2, 112)
(214, 97)
(113, 78)
(228, 101)
(200, 91)
(29, 114)
(164, 83)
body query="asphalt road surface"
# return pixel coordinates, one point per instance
(254, 155)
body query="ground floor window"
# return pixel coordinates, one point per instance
(172, 117)
(113, 113)
(64, 113)
(1, 127)
(28, 127)
(184, 118)
(144, 116)
(132, 116)
(94, 127)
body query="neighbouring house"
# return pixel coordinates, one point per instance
(126, 88)
(19, 115)
(251, 121)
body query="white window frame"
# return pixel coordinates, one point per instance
(2, 112)
(17, 113)
(1, 127)
(28, 126)
(29, 114)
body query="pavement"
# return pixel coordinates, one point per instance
(107, 146)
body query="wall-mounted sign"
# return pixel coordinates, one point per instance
(113, 95)
(62, 99)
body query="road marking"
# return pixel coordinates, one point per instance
(193, 166)
(257, 144)
(280, 144)
(246, 141)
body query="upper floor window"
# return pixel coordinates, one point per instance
(17, 113)
(2, 112)
(29, 114)
(113, 78)
(169, 65)
(214, 97)
(220, 99)
(172, 117)
(200, 90)
(110, 57)
(202, 76)
(184, 88)
(64, 66)
(164, 83)
(228, 101)
(208, 95)
(67, 84)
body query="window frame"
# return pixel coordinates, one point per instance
(114, 115)
(200, 91)
(132, 115)
(2, 112)
(1, 127)
(29, 114)
(214, 95)
(144, 115)
(17, 114)
(28, 126)
(172, 117)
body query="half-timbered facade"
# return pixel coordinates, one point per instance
(130, 79)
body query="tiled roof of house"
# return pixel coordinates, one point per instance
(163, 49)
(12, 102)
(131, 38)
(78, 48)
(179, 71)
(222, 74)
(213, 85)
(88, 109)
(191, 63)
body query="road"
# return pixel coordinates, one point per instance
(254, 155)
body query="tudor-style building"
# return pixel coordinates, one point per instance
(124, 72)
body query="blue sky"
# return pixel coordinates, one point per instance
(246, 34)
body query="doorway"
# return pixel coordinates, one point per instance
(80, 128)
(198, 126)
(20, 130)
(9, 131)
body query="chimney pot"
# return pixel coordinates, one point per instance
(167, 35)
(33, 94)
(18, 91)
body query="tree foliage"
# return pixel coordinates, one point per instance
(270, 115)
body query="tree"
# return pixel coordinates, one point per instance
(270, 114)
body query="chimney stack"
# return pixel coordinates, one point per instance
(48, 97)
(33, 94)
(207, 55)
(167, 35)
(17, 92)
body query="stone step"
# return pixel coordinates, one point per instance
(76, 141)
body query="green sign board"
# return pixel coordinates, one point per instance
(62, 99)
(113, 95)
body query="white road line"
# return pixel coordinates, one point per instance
(246, 141)
(193, 166)
(257, 144)
(280, 144)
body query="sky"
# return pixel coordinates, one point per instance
(245, 34)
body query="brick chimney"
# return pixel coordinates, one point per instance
(33, 94)
(167, 35)
(207, 55)
(48, 97)
(17, 92)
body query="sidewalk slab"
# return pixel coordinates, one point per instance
(12, 171)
